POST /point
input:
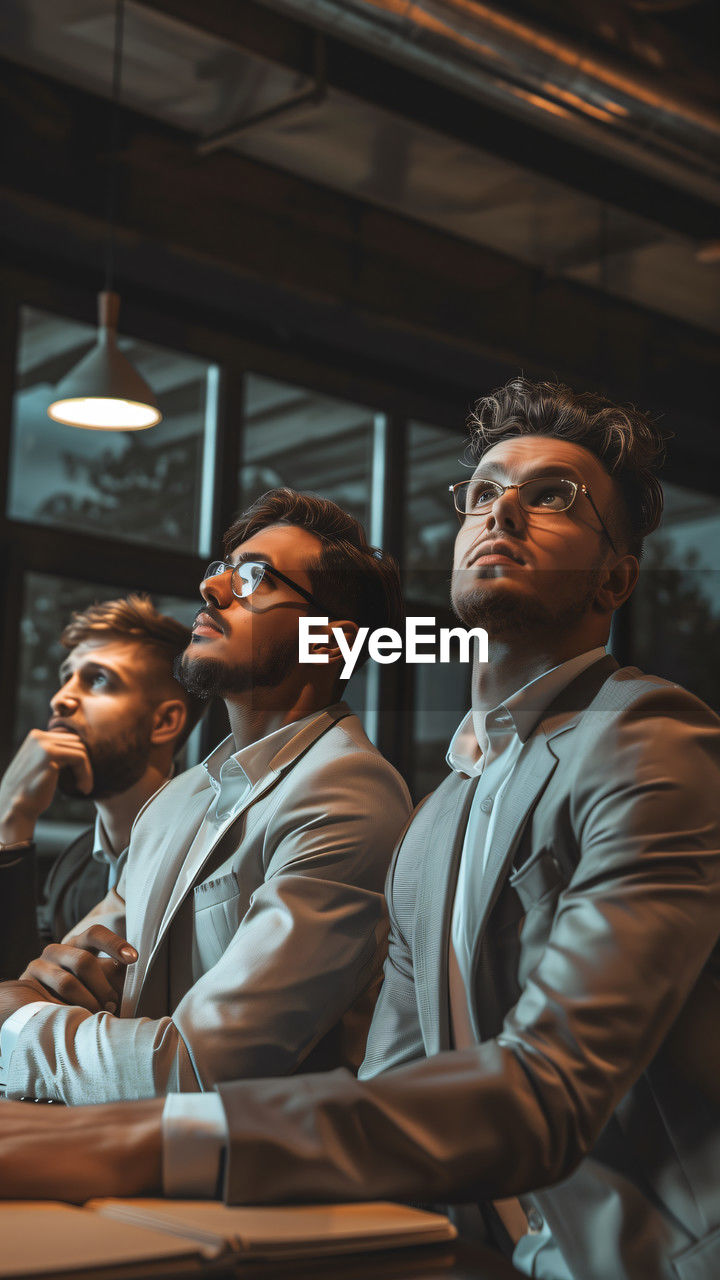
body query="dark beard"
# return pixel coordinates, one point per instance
(502, 613)
(210, 678)
(116, 765)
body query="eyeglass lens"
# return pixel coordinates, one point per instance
(546, 493)
(246, 576)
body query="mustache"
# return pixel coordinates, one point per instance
(209, 612)
(57, 722)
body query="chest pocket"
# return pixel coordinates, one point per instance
(535, 879)
(218, 907)
(538, 884)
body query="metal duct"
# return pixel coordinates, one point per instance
(493, 57)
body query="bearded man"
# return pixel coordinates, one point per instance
(249, 917)
(117, 721)
(545, 1052)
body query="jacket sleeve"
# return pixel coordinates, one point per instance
(395, 1034)
(633, 930)
(309, 944)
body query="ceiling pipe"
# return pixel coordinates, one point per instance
(491, 56)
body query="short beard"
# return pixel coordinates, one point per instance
(504, 613)
(116, 765)
(210, 678)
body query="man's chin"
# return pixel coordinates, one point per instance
(69, 787)
(497, 605)
(207, 677)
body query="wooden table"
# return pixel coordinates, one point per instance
(462, 1260)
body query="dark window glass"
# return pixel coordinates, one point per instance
(145, 486)
(308, 441)
(676, 605)
(431, 522)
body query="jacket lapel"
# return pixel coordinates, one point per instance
(154, 863)
(533, 770)
(434, 908)
(179, 873)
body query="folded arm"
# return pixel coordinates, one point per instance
(306, 948)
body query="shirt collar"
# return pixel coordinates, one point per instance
(101, 850)
(518, 713)
(253, 761)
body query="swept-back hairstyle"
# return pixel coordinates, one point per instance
(350, 578)
(624, 439)
(135, 618)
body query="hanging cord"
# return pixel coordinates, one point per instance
(114, 149)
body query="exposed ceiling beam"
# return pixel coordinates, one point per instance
(258, 251)
(289, 43)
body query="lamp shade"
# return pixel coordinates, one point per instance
(104, 392)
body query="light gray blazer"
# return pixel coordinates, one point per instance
(595, 1081)
(260, 941)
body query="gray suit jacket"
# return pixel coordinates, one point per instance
(260, 936)
(595, 1082)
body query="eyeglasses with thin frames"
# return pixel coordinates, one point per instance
(248, 574)
(542, 495)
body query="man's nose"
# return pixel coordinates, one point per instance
(217, 589)
(506, 512)
(65, 701)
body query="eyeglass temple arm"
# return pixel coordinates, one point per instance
(605, 529)
(295, 586)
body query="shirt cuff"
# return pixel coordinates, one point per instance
(10, 1031)
(194, 1135)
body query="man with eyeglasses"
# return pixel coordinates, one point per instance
(545, 1052)
(249, 921)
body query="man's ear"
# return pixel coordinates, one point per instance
(619, 583)
(169, 719)
(331, 647)
(349, 630)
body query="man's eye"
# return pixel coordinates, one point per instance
(480, 496)
(550, 497)
(99, 680)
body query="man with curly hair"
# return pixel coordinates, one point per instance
(545, 1052)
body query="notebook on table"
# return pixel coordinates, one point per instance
(112, 1239)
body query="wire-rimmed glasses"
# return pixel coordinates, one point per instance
(542, 495)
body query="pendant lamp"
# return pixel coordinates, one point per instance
(104, 392)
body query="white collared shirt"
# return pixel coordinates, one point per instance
(103, 852)
(490, 750)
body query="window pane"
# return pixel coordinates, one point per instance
(676, 606)
(309, 441)
(143, 485)
(434, 462)
(47, 604)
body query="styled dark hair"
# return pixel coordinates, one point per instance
(624, 439)
(135, 618)
(350, 578)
